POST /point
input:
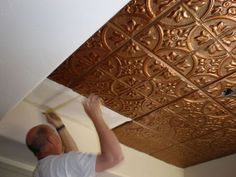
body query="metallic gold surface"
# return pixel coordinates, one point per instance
(165, 64)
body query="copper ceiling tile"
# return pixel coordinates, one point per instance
(229, 41)
(131, 65)
(220, 21)
(155, 8)
(173, 42)
(140, 138)
(203, 71)
(165, 87)
(204, 114)
(180, 156)
(132, 104)
(220, 92)
(216, 144)
(100, 83)
(165, 64)
(167, 124)
(199, 8)
(219, 8)
(178, 16)
(63, 74)
(139, 13)
(187, 49)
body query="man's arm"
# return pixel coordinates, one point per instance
(67, 141)
(111, 153)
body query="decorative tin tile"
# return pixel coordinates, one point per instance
(138, 13)
(132, 104)
(199, 8)
(203, 70)
(221, 8)
(180, 156)
(228, 40)
(165, 87)
(100, 83)
(217, 90)
(215, 144)
(138, 137)
(204, 114)
(168, 124)
(132, 65)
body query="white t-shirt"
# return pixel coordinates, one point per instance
(72, 164)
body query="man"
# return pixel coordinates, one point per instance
(47, 146)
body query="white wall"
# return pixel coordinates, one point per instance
(36, 36)
(136, 164)
(222, 167)
(7, 170)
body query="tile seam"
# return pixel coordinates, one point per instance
(185, 78)
(202, 23)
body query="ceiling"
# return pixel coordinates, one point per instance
(165, 64)
(36, 23)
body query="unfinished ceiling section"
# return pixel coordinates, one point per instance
(166, 65)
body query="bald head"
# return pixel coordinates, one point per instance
(38, 138)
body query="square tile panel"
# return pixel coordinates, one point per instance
(215, 144)
(178, 16)
(165, 87)
(139, 13)
(205, 70)
(180, 156)
(205, 115)
(164, 64)
(136, 136)
(99, 83)
(132, 65)
(214, 8)
(199, 8)
(168, 124)
(165, 38)
(228, 40)
(132, 104)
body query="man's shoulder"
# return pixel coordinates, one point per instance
(69, 163)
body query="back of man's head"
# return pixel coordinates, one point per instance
(37, 138)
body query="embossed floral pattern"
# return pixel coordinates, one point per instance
(179, 14)
(175, 37)
(224, 7)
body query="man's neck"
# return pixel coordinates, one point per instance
(46, 154)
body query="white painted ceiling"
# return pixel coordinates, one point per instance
(36, 36)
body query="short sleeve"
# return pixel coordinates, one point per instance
(81, 164)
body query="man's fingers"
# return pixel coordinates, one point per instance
(50, 115)
(45, 114)
(85, 104)
(89, 100)
(101, 101)
(92, 100)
